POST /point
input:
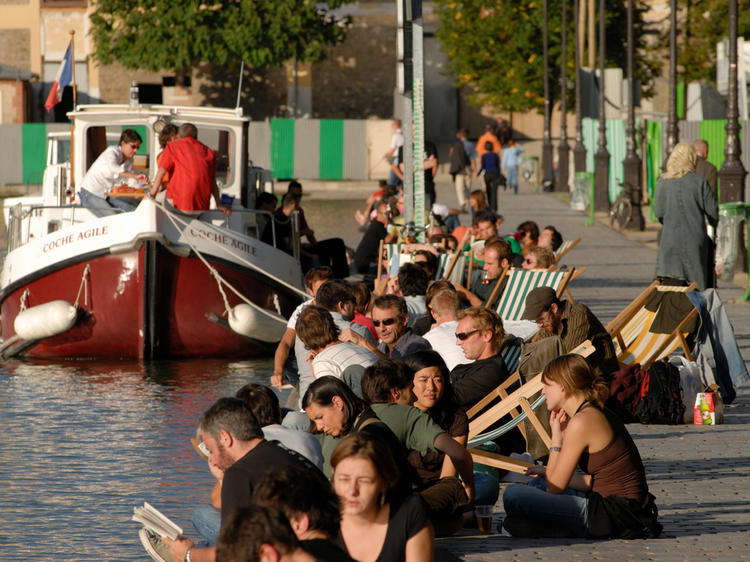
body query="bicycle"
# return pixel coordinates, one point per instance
(621, 210)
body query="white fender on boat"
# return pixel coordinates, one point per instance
(257, 323)
(45, 320)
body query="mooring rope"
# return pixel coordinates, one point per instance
(220, 281)
(84, 286)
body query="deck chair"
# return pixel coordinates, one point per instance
(578, 272)
(520, 282)
(518, 404)
(633, 338)
(566, 247)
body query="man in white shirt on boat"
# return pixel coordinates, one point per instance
(115, 163)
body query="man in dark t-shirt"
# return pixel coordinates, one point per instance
(366, 253)
(431, 162)
(237, 448)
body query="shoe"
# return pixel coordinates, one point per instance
(502, 530)
(155, 548)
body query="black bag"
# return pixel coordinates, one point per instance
(459, 159)
(661, 397)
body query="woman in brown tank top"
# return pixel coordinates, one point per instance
(611, 498)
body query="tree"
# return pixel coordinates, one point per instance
(702, 24)
(495, 47)
(168, 35)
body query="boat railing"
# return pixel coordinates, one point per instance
(245, 221)
(22, 227)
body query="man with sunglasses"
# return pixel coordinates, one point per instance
(479, 334)
(115, 163)
(390, 317)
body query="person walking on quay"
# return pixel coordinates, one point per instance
(462, 155)
(392, 155)
(703, 166)
(511, 161)
(490, 165)
(684, 204)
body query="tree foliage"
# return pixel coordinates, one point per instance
(170, 35)
(702, 24)
(495, 47)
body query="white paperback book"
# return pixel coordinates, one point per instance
(154, 520)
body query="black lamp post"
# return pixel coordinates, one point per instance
(563, 148)
(732, 173)
(632, 162)
(601, 158)
(547, 173)
(673, 132)
(579, 150)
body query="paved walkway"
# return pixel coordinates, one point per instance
(699, 475)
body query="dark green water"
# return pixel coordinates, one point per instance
(84, 442)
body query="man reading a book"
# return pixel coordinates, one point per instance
(239, 457)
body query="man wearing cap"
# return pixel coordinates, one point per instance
(572, 324)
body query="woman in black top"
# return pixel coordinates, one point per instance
(375, 528)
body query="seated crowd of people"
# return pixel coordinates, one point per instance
(370, 461)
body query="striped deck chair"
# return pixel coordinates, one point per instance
(521, 282)
(566, 247)
(520, 406)
(631, 330)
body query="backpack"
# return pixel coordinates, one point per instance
(459, 159)
(661, 397)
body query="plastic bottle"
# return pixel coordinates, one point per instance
(133, 94)
(705, 411)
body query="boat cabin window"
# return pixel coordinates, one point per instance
(220, 141)
(99, 138)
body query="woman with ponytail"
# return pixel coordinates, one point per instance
(611, 497)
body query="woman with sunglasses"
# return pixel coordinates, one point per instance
(376, 525)
(433, 395)
(611, 497)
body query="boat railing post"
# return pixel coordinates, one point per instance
(295, 234)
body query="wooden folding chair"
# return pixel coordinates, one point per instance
(521, 282)
(632, 334)
(566, 247)
(518, 404)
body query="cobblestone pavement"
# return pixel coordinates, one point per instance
(699, 475)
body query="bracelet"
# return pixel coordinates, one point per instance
(551, 450)
(187, 553)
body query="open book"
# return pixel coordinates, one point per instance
(154, 520)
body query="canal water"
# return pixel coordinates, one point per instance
(82, 443)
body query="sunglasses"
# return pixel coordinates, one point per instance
(465, 335)
(134, 145)
(385, 322)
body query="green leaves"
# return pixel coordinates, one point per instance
(167, 35)
(495, 48)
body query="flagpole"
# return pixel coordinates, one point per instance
(72, 181)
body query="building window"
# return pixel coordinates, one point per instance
(64, 4)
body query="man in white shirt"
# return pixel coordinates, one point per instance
(442, 337)
(331, 356)
(313, 280)
(397, 141)
(115, 163)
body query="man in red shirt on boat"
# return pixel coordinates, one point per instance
(192, 172)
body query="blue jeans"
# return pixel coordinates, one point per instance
(97, 205)
(530, 511)
(207, 521)
(513, 178)
(487, 489)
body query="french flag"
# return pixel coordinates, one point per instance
(64, 77)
